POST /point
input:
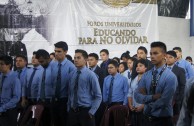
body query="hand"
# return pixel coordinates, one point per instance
(142, 91)
(24, 102)
(139, 109)
(156, 96)
(90, 115)
(131, 108)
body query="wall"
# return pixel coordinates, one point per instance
(176, 32)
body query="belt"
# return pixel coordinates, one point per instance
(80, 108)
(50, 100)
(153, 118)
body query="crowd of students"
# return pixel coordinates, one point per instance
(77, 92)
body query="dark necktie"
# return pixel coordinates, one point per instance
(75, 99)
(19, 73)
(30, 82)
(110, 91)
(177, 63)
(58, 84)
(153, 86)
(42, 91)
(1, 86)
(129, 75)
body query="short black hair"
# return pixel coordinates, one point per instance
(142, 61)
(94, 55)
(52, 54)
(172, 53)
(61, 44)
(114, 63)
(160, 45)
(125, 55)
(7, 60)
(143, 48)
(105, 51)
(132, 59)
(34, 53)
(124, 64)
(83, 52)
(177, 48)
(69, 58)
(42, 53)
(21, 56)
(189, 58)
(117, 59)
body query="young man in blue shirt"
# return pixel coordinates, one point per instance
(189, 72)
(156, 89)
(61, 70)
(46, 88)
(115, 87)
(84, 93)
(10, 92)
(32, 82)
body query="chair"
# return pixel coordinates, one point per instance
(117, 115)
(32, 116)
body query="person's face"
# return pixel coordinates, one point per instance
(20, 63)
(140, 68)
(170, 60)
(121, 68)
(124, 59)
(112, 70)
(130, 64)
(92, 62)
(189, 60)
(60, 54)
(35, 61)
(141, 54)
(52, 57)
(179, 54)
(3, 67)
(157, 55)
(43, 62)
(79, 60)
(104, 56)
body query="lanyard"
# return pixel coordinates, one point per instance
(154, 84)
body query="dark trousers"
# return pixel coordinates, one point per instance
(99, 114)
(47, 116)
(80, 118)
(60, 112)
(9, 118)
(136, 118)
(160, 121)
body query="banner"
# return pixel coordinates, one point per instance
(192, 18)
(116, 25)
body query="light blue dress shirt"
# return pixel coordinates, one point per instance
(120, 88)
(189, 72)
(89, 93)
(166, 86)
(11, 91)
(66, 68)
(22, 75)
(36, 81)
(185, 118)
(49, 83)
(132, 87)
(125, 74)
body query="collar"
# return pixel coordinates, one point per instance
(63, 62)
(38, 67)
(116, 75)
(160, 68)
(82, 69)
(93, 68)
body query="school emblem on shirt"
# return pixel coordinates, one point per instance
(117, 3)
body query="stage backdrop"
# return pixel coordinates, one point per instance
(116, 25)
